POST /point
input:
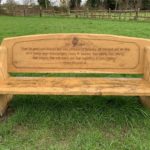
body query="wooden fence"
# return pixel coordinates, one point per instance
(94, 14)
(102, 14)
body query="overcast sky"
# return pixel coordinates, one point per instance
(19, 1)
(56, 1)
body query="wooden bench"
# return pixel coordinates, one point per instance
(74, 53)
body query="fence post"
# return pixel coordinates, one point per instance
(109, 13)
(137, 14)
(40, 12)
(24, 12)
(120, 12)
(87, 12)
(130, 15)
(76, 13)
(68, 11)
(53, 12)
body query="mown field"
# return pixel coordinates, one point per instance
(74, 122)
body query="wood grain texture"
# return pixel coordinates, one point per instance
(76, 53)
(3, 63)
(147, 64)
(75, 86)
(145, 100)
(4, 99)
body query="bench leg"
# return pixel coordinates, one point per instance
(4, 100)
(145, 100)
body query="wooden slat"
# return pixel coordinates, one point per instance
(75, 86)
(75, 53)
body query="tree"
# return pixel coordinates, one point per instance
(119, 4)
(126, 3)
(95, 3)
(64, 3)
(123, 4)
(0, 6)
(11, 4)
(112, 4)
(134, 4)
(28, 2)
(116, 4)
(44, 3)
(74, 4)
(146, 4)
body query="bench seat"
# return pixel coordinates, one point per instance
(75, 86)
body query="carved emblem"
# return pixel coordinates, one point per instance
(75, 41)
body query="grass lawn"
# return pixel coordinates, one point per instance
(74, 122)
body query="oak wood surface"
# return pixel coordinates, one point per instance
(75, 86)
(4, 99)
(3, 63)
(86, 53)
(145, 100)
(74, 53)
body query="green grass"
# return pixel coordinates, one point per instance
(74, 122)
(15, 26)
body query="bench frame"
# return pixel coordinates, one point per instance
(5, 99)
(145, 100)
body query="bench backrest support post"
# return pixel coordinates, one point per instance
(3, 63)
(147, 64)
(4, 99)
(145, 100)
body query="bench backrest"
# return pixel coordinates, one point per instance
(76, 53)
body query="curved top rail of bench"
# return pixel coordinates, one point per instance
(76, 53)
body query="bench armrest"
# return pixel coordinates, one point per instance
(147, 64)
(3, 63)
